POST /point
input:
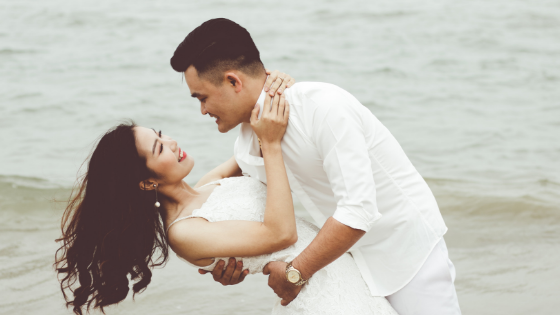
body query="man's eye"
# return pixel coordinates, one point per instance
(203, 100)
(161, 148)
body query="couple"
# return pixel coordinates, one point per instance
(380, 248)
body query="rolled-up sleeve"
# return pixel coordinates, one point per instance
(339, 136)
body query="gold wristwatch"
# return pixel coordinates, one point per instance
(294, 276)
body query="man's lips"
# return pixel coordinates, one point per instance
(216, 117)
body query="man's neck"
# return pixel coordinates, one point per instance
(255, 87)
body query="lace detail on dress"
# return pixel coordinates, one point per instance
(336, 289)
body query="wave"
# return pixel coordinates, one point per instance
(16, 181)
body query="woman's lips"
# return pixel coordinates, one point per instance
(184, 155)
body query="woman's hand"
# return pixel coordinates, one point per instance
(270, 128)
(277, 82)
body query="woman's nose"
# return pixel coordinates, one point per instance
(171, 143)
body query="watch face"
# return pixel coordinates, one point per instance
(293, 276)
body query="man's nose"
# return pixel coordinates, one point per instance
(203, 110)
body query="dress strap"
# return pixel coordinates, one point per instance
(190, 216)
(212, 183)
(177, 220)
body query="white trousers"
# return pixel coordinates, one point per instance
(432, 290)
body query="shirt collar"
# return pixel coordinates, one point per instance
(248, 149)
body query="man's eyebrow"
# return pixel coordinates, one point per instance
(195, 95)
(155, 142)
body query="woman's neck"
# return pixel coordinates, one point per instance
(175, 198)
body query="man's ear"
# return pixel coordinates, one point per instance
(234, 80)
(147, 184)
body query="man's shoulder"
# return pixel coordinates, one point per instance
(318, 93)
(311, 89)
(320, 96)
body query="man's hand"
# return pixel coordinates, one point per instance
(277, 281)
(232, 275)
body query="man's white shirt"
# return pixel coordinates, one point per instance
(342, 162)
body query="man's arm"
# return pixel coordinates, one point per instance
(339, 136)
(333, 240)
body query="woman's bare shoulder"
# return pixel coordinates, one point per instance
(184, 236)
(185, 229)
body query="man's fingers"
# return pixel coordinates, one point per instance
(237, 272)
(218, 271)
(266, 270)
(243, 275)
(229, 272)
(202, 271)
(284, 302)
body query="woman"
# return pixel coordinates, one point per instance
(133, 202)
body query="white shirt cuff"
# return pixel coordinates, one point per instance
(349, 217)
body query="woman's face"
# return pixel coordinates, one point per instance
(163, 156)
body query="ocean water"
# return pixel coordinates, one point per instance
(470, 89)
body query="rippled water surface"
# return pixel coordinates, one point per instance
(470, 89)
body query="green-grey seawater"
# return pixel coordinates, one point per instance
(470, 90)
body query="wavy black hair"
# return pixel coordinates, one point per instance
(110, 228)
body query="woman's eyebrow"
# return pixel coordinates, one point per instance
(155, 142)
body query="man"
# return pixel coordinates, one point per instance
(345, 167)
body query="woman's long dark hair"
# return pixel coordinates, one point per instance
(110, 228)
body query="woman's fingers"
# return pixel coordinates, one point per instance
(285, 83)
(267, 104)
(271, 78)
(275, 85)
(277, 82)
(255, 114)
(286, 112)
(274, 107)
(281, 105)
(290, 82)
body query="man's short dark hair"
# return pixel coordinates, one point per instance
(216, 46)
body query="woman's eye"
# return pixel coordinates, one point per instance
(161, 148)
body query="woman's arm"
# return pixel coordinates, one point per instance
(227, 169)
(196, 239)
(276, 82)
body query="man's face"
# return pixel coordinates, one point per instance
(219, 102)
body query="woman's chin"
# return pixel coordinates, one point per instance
(187, 164)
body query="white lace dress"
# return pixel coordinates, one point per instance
(335, 289)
